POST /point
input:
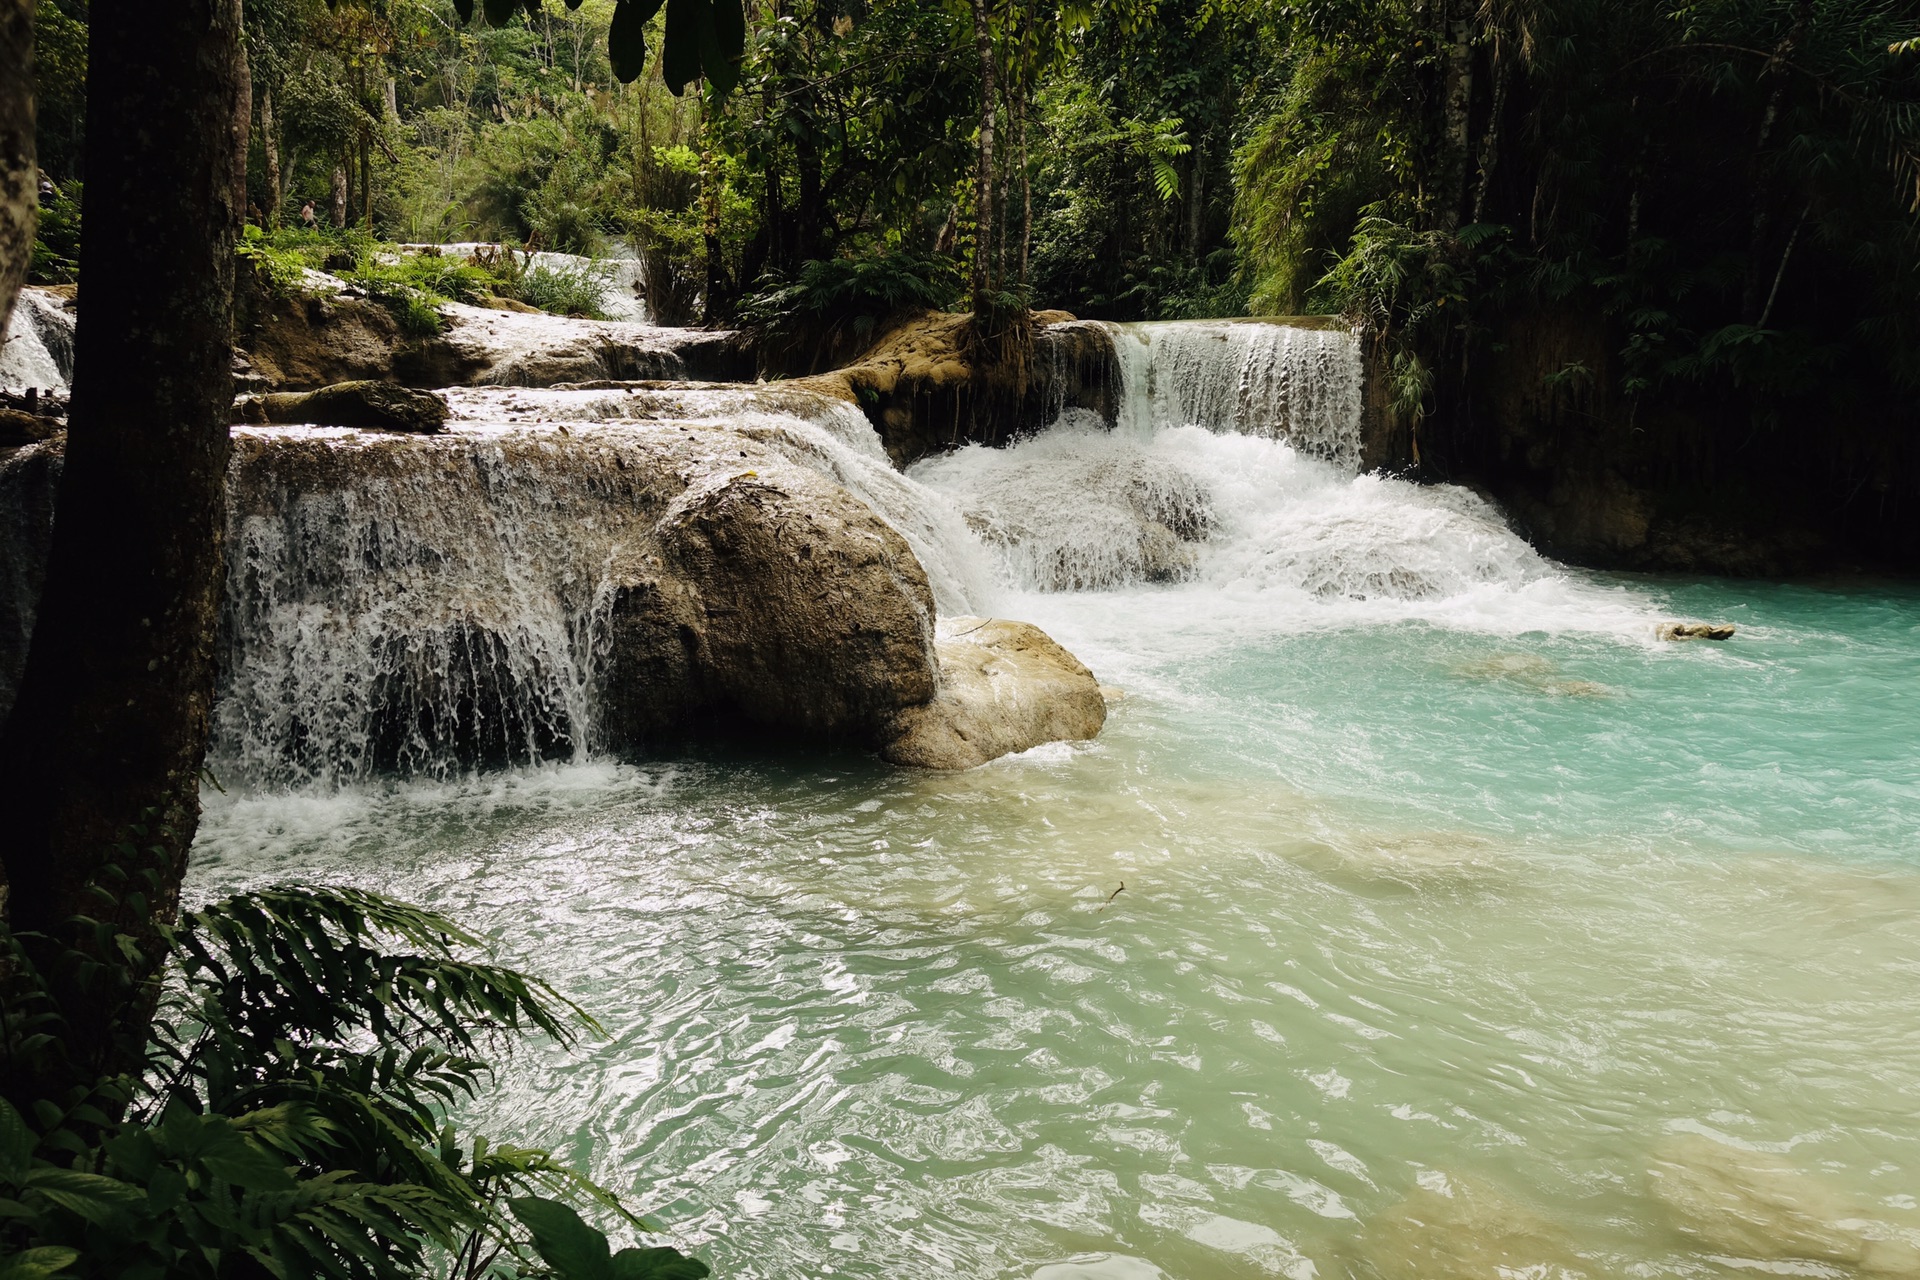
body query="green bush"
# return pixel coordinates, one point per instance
(289, 1120)
(564, 290)
(858, 293)
(56, 240)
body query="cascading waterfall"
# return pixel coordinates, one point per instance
(1248, 377)
(1234, 469)
(420, 606)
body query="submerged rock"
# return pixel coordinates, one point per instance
(1454, 1228)
(1756, 1205)
(1004, 687)
(380, 406)
(1695, 631)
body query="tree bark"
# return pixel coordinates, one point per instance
(19, 175)
(270, 148)
(1458, 94)
(106, 740)
(983, 176)
(339, 195)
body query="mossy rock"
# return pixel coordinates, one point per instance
(378, 406)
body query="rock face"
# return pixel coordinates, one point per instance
(916, 384)
(778, 601)
(1004, 687)
(514, 589)
(380, 406)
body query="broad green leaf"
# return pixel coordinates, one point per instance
(31, 1264)
(689, 24)
(726, 41)
(563, 1239)
(106, 1201)
(627, 38)
(16, 1141)
(657, 1264)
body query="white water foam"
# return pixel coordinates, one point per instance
(1228, 502)
(38, 347)
(1247, 377)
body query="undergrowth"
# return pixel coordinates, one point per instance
(414, 284)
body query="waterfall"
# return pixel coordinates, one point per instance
(1249, 377)
(422, 605)
(1228, 495)
(38, 346)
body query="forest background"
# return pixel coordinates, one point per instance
(1725, 194)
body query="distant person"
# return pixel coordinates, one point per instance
(47, 190)
(307, 218)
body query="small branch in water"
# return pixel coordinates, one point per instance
(1110, 897)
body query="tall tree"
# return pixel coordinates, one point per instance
(983, 184)
(105, 744)
(18, 173)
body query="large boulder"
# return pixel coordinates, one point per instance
(1004, 687)
(777, 600)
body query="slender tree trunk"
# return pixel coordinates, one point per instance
(1458, 101)
(983, 193)
(19, 174)
(107, 737)
(242, 126)
(366, 177)
(1026, 192)
(270, 147)
(1490, 142)
(339, 195)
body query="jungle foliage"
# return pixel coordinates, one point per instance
(1730, 187)
(288, 1116)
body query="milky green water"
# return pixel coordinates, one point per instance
(1440, 953)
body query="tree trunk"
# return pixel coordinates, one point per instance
(1458, 101)
(107, 737)
(339, 195)
(983, 193)
(270, 147)
(19, 175)
(366, 176)
(1026, 192)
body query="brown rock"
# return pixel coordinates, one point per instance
(812, 613)
(18, 427)
(379, 406)
(1004, 687)
(1695, 631)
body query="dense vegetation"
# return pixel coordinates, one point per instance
(1716, 203)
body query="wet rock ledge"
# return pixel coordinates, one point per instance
(509, 590)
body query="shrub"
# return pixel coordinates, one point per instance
(855, 292)
(289, 1120)
(564, 289)
(56, 240)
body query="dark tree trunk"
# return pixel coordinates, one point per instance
(19, 175)
(270, 148)
(983, 193)
(1457, 92)
(107, 737)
